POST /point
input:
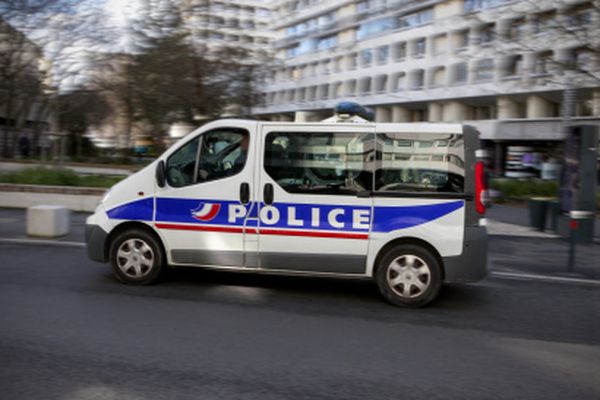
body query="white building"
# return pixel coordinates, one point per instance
(499, 65)
(245, 24)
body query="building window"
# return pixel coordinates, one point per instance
(337, 64)
(399, 82)
(580, 17)
(364, 85)
(420, 47)
(351, 87)
(399, 51)
(460, 73)
(327, 42)
(487, 34)
(417, 79)
(475, 5)
(461, 39)
(514, 66)
(582, 59)
(440, 44)
(353, 61)
(366, 57)
(381, 82)
(415, 19)
(382, 54)
(485, 70)
(324, 92)
(543, 63)
(337, 90)
(544, 22)
(438, 77)
(375, 27)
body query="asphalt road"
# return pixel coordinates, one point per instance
(68, 330)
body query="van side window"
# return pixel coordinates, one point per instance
(181, 165)
(222, 154)
(336, 163)
(420, 163)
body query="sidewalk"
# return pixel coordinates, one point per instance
(519, 249)
(513, 248)
(519, 215)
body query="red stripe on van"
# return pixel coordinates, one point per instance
(279, 232)
(204, 228)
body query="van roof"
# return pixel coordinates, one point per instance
(412, 127)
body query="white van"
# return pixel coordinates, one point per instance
(400, 203)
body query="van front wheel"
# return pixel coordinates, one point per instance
(136, 257)
(409, 276)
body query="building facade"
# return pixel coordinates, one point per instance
(244, 24)
(500, 65)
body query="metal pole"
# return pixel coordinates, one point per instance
(572, 242)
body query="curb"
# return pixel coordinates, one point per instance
(543, 278)
(41, 242)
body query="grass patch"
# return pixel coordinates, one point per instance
(58, 177)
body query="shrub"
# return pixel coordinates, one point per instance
(524, 189)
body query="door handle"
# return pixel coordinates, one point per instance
(244, 193)
(268, 194)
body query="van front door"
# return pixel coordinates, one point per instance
(202, 211)
(312, 218)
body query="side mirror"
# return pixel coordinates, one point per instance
(160, 174)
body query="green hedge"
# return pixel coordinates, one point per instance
(57, 177)
(524, 189)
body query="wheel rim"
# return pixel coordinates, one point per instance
(135, 258)
(408, 276)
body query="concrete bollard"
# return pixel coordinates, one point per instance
(48, 221)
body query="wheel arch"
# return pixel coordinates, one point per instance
(412, 241)
(129, 225)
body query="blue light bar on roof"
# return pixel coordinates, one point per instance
(351, 108)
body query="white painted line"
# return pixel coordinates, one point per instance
(544, 278)
(44, 242)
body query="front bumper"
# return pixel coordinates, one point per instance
(95, 239)
(472, 264)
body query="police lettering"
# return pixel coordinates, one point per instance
(335, 218)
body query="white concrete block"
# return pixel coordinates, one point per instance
(48, 221)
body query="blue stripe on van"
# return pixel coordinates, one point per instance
(139, 210)
(385, 219)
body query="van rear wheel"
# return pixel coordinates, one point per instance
(409, 276)
(136, 257)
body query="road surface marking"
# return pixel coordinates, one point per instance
(44, 242)
(543, 278)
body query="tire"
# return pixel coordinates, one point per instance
(409, 276)
(136, 257)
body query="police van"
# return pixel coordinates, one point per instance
(402, 204)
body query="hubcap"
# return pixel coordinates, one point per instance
(135, 258)
(408, 276)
